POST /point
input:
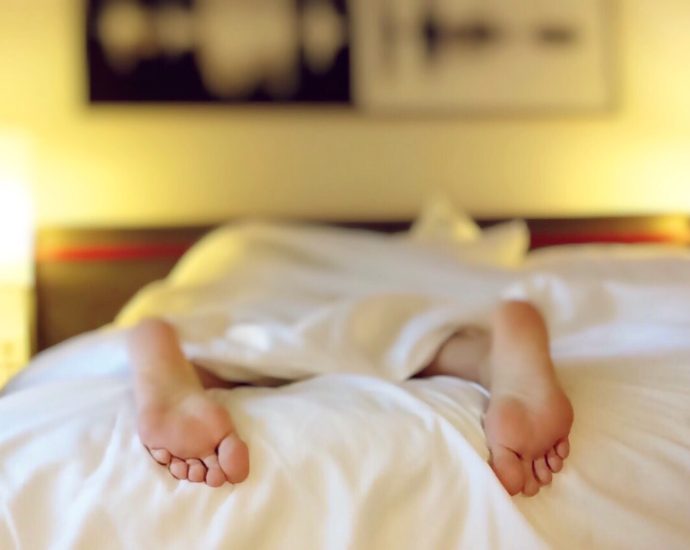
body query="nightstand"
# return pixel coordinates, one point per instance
(16, 329)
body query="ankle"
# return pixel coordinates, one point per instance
(464, 355)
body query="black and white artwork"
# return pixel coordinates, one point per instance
(378, 55)
(287, 51)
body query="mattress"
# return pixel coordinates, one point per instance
(353, 453)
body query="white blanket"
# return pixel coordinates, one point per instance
(358, 457)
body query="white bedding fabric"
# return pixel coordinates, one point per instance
(358, 457)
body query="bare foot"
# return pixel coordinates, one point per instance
(178, 421)
(529, 416)
(527, 433)
(193, 436)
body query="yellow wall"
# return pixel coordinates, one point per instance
(133, 165)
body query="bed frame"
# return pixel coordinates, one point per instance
(85, 275)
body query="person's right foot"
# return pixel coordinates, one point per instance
(527, 433)
(529, 416)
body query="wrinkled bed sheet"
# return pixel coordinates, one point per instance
(352, 454)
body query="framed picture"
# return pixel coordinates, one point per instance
(232, 51)
(396, 56)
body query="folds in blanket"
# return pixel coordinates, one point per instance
(290, 302)
(389, 336)
(338, 461)
(294, 285)
(571, 305)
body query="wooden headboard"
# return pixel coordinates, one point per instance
(85, 275)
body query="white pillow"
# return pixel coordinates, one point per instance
(568, 253)
(440, 225)
(439, 220)
(649, 263)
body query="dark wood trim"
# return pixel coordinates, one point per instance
(101, 244)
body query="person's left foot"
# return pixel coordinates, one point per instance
(179, 423)
(185, 430)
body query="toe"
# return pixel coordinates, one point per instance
(178, 468)
(554, 461)
(197, 470)
(214, 475)
(508, 468)
(563, 448)
(233, 458)
(162, 456)
(531, 486)
(541, 471)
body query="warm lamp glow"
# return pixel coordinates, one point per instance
(16, 217)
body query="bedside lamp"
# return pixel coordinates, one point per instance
(16, 257)
(16, 234)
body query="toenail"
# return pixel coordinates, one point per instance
(160, 455)
(563, 449)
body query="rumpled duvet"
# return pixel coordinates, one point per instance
(346, 450)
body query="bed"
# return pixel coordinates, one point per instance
(353, 454)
